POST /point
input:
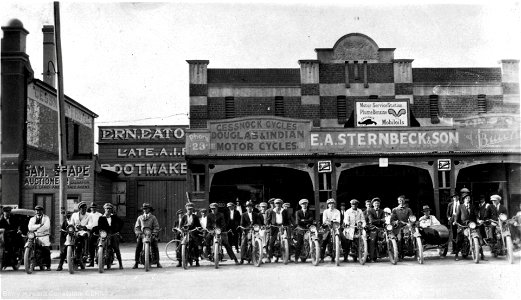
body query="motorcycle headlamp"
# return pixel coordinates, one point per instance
(503, 217)
(217, 231)
(30, 235)
(472, 225)
(389, 227)
(313, 228)
(70, 229)
(256, 227)
(412, 219)
(102, 234)
(147, 231)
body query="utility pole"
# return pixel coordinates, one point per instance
(62, 146)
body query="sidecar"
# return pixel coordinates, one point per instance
(435, 237)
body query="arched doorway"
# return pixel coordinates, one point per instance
(367, 182)
(493, 178)
(260, 184)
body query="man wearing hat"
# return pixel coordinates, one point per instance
(377, 219)
(353, 216)
(304, 218)
(331, 215)
(190, 221)
(146, 220)
(41, 225)
(233, 219)
(63, 237)
(278, 217)
(248, 219)
(111, 224)
(452, 211)
(497, 207)
(95, 215)
(216, 220)
(465, 214)
(367, 210)
(82, 220)
(428, 220)
(401, 214)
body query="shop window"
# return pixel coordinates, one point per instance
(482, 104)
(119, 198)
(229, 107)
(324, 186)
(279, 106)
(72, 202)
(199, 182)
(341, 109)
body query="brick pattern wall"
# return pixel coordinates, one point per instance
(328, 107)
(311, 112)
(36, 154)
(199, 115)
(458, 106)
(420, 108)
(198, 89)
(403, 88)
(310, 89)
(254, 106)
(269, 77)
(215, 108)
(443, 75)
(332, 73)
(378, 73)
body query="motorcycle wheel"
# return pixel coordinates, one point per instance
(147, 257)
(510, 249)
(101, 261)
(392, 250)
(284, 248)
(28, 260)
(337, 250)
(362, 251)
(171, 249)
(216, 255)
(70, 259)
(315, 252)
(184, 257)
(419, 250)
(475, 250)
(257, 252)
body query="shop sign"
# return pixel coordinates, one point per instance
(489, 138)
(444, 164)
(144, 152)
(46, 175)
(383, 162)
(324, 166)
(147, 168)
(380, 113)
(142, 134)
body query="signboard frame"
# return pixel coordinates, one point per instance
(386, 102)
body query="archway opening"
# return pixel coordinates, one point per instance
(260, 184)
(367, 182)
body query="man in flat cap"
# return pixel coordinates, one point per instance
(63, 237)
(190, 221)
(146, 220)
(233, 219)
(41, 224)
(112, 224)
(304, 218)
(278, 217)
(248, 219)
(82, 220)
(216, 219)
(330, 216)
(353, 216)
(93, 239)
(400, 213)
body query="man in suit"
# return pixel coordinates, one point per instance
(145, 220)
(278, 217)
(111, 224)
(342, 212)
(400, 213)
(233, 219)
(497, 208)
(216, 219)
(452, 211)
(465, 214)
(367, 210)
(190, 221)
(376, 218)
(14, 228)
(303, 218)
(248, 219)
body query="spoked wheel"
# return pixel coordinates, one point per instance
(475, 250)
(284, 248)
(171, 249)
(216, 255)
(70, 259)
(184, 256)
(257, 252)
(101, 261)
(315, 252)
(362, 251)
(28, 260)
(147, 257)
(392, 250)
(419, 250)
(337, 250)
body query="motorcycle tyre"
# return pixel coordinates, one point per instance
(419, 251)
(285, 251)
(257, 253)
(362, 253)
(184, 257)
(510, 249)
(315, 252)
(337, 250)
(147, 257)
(393, 251)
(70, 259)
(475, 250)
(101, 261)
(216, 255)
(28, 261)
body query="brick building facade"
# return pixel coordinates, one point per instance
(335, 131)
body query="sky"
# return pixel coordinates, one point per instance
(127, 61)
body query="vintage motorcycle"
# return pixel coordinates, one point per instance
(281, 245)
(105, 252)
(471, 240)
(359, 245)
(311, 245)
(438, 240)
(503, 240)
(254, 245)
(216, 253)
(147, 257)
(185, 245)
(9, 255)
(412, 242)
(77, 247)
(386, 244)
(33, 253)
(335, 250)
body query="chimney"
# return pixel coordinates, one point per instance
(49, 55)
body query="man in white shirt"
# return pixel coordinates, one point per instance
(427, 220)
(330, 216)
(41, 225)
(352, 217)
(95, 215)
(203, 219)
(82, 220)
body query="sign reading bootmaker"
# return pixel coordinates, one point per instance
(259, 135)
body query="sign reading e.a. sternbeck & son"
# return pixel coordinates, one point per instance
(382, 113)
(261, 135)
